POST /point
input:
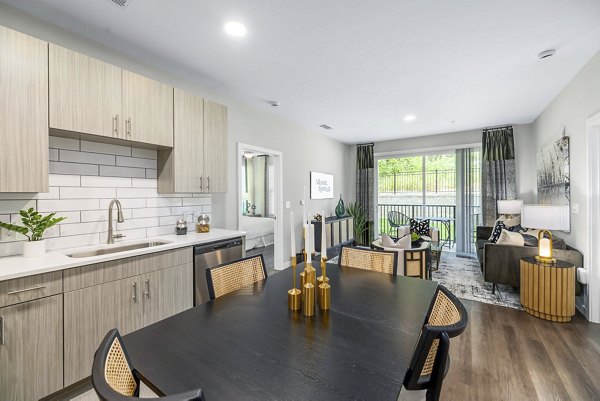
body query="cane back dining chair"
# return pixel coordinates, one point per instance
(369, 259)
(447, 317)
(115, 379)
(232, 276)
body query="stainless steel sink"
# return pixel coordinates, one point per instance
(116, 249)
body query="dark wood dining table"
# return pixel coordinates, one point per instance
(247, 345)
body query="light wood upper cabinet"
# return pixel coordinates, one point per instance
(85, 94)
(147, 109)
(23, 112)
(31, 362)
(181, 169)
(215, 145)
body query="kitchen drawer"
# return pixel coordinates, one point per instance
(86, 276)
(32, 287)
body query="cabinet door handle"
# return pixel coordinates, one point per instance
(147, 288)
(1, 330)
(35, 287)
(207, 184)
(200, 183)
(128, 127)
(117, 125)
(114, 130)
(135, 292)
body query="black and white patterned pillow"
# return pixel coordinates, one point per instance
(421, 227)
(497, 231)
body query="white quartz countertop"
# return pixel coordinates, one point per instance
(17, 266)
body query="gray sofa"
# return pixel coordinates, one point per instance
(500, 264)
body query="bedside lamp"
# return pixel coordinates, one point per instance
(545, 218)
(510, 207)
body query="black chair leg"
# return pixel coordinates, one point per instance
(493, 288)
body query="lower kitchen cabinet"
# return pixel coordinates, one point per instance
(31, 348)
(126, 304)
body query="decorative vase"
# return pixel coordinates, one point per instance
(340, 209)
(34, 249)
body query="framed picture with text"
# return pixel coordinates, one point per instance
(321, 185)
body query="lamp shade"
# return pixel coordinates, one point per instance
(548, 217)
(512, 206)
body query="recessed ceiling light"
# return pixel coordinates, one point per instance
(410, 117)
(325, 126)
(235, 28)
(546, 54)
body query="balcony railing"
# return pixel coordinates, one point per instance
(436, 181)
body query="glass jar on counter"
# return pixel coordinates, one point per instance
(203, 224)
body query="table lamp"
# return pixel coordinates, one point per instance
(510, 207)
(545, 218)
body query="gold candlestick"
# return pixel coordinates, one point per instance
(294, 295)
(324, 288)
(309, 299)
(323, 276)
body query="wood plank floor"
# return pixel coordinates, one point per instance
(506, 354)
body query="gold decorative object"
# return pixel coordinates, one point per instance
(309, 299)
(324, 288)
(545, 248)
(294, 295)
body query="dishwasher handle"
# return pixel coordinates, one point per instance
(215, 246)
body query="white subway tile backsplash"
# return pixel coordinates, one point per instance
(144, 183)
(107, 148)
(136, 193)
(87, 158)
(13, 206)
(161, 202)
(102, 215)
(60, 180)
(58, 142)
(125, 203)
(82, 186)
(87, 192)
(110, 182)
(136, 162)
(144, 153)
(151, 212)
(111, 171)
(73, 168)
(67, 205)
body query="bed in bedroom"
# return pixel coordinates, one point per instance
(259, 231)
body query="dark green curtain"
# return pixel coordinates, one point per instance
(365, 167)
(497, 170)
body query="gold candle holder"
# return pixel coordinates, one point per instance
(294, 295)
(324, 288)
(309, 299)
(323, 277)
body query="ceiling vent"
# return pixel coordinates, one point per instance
(546, 54)
(121, 3)
(325, 126)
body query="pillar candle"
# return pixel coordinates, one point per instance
(323, 236)
(304, 219)
(544, 247)
(306, 240)
(293, 237)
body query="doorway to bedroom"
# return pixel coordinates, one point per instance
(260, 203)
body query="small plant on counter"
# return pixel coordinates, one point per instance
(34, 224)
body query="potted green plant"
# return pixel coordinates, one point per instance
(361, 221)
(34, 225)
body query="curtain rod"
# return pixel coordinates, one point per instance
(365, 144)
(498, 127)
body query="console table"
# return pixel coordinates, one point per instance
(339, 232)
(548, 290)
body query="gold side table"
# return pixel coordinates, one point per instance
(548, 290)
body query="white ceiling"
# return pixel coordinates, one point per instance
(359, 66)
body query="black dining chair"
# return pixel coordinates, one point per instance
(369, 259)
(115, 379)
(447, 318)
(232, 276)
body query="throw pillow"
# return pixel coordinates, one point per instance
(515, 229)
(497, 231)
(530, 240)
(387, 241)
(403, 243)
(510, 238)
(420, 227)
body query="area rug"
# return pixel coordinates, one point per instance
(463, 277)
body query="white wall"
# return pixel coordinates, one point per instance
(578, 101)
(303, 149)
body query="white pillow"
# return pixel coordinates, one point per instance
(387, 241)
(403, 230)
(510, 238)
(403, 243)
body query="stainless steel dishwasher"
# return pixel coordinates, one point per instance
(210, 255)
